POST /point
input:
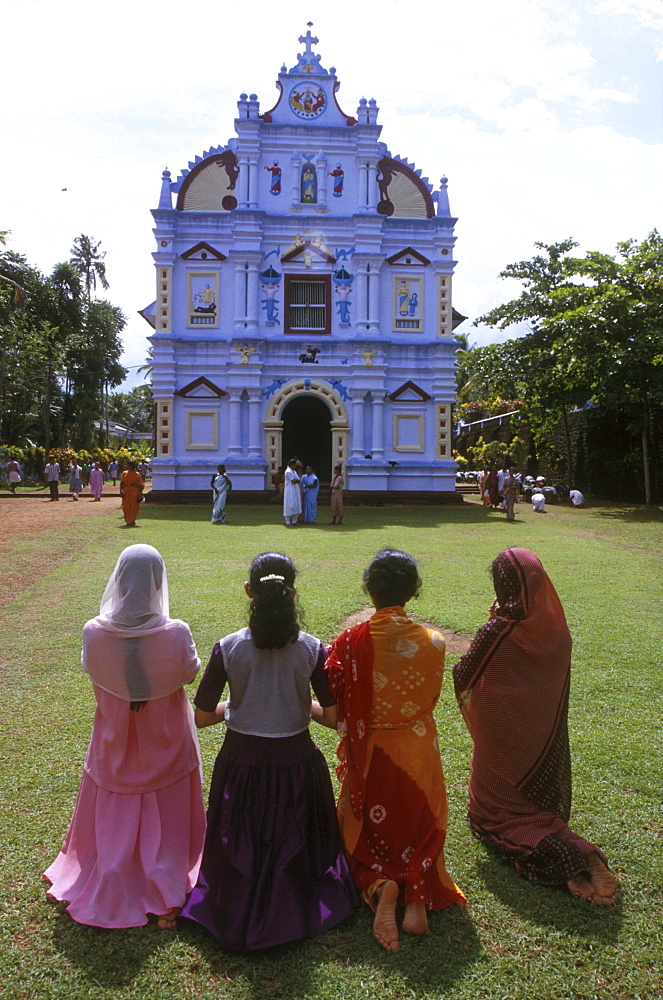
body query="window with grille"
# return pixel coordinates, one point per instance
(307, 300)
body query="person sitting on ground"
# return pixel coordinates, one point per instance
(576, 498)
(512, 688)
(273, 867)
(386, 675)
(136, 837)
(538, 502)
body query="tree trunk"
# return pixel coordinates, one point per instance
(569, 458)
(645, 452)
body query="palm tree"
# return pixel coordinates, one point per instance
(89, 261)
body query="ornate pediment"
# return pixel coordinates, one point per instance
(410, 257)
(308, 247)
(201, 388)
(409, 392)
(203, 251)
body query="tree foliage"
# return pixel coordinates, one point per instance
(595, 335)
(59, 350)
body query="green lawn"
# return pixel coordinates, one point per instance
(514, 940)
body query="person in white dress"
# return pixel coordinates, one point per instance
(292, 498)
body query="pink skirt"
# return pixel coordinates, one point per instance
(126, 856)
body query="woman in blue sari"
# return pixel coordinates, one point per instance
(310, 488)
(221, 487)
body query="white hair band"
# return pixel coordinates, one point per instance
(272, 576)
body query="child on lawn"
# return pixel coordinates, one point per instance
(273, 866)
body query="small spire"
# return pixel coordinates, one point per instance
(443, 199)
(165, 199)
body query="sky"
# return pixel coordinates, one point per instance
(545, 115)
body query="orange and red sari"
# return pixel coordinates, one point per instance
(386, 675)
(131, 489)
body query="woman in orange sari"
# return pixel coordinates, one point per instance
(131, 489)
(512, 687)
(386, 675)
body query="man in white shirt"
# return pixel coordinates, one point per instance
(52, 473)
(292, 498)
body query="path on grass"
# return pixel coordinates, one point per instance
(51, 530)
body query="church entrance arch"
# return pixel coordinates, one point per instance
(306, 418)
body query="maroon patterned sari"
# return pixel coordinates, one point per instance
(512, 687)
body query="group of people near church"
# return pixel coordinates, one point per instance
(300, 494)
(275, 859)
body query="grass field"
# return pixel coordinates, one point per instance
(513, 940)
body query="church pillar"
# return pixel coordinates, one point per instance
(296, 181)
(241, 289)
(363, 189)
(373, 280)
(358, 428)
(361, 285)
(372, 185)
(252, 197)
(321, 169)
(243, 181)
(377, 444)
(252, 295)
(234, 424)
(255, 430)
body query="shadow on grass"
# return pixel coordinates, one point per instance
(550, 906)
(354, 519)
(111, 957)
(631, 515)
(434, 963)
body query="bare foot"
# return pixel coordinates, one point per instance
(601, 888)
(415, 920)
(167, 921)
(604, 882)
(385, 930)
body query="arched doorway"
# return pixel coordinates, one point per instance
(307, 434)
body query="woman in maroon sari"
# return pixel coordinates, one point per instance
(512, 687)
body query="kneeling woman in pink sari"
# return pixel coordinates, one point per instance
(513, 691)
(386, 676)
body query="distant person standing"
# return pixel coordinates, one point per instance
(96, 481)
(75, 479)
(131, 491)
(310, 489)
(292, 500)
(13, 474)
(114, 471)
(52, 473)
(221, 487)
(336, 501)
(510, 490)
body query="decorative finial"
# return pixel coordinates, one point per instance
(308, 40)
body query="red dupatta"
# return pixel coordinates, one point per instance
(513, 684)
(350, 675)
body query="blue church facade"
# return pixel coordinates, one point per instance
(304, 303)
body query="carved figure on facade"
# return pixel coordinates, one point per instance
(245, 352)
(270, 285)
(309, 184)
(368, 357)
(310, 357)
(275, 171)
(338, 174)
(343, 282)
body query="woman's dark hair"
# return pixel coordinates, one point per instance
(392, 578)
(274, 614)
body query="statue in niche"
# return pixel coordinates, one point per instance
(309, 185)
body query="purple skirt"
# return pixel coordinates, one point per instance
(273, 867)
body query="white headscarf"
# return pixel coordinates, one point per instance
(134, 605)
(135, 601)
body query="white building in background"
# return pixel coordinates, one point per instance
(303, 303)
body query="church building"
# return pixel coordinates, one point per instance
(303, 307)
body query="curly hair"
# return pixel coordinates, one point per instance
(392, 578)
(275, 616)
